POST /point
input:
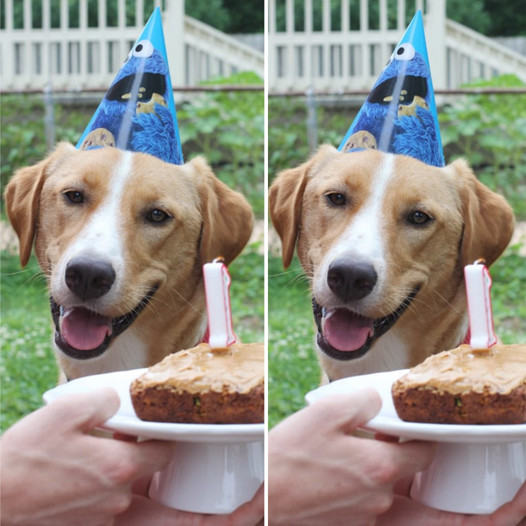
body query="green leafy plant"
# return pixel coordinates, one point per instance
(490, 132)
(228, 128)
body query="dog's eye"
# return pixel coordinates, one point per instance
(157, 216)
(336, 198)
(418, 218)
(74, 196)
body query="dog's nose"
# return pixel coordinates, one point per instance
(351, 280)
(89, 278)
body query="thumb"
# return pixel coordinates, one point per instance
(344, 411)
(85, 411)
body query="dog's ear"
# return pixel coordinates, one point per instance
(488, 218)
(22, 198)
(227, 217)
(285, 202)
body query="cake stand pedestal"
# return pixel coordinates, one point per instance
(461, 473)
(210, 478)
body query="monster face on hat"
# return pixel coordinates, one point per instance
(138, 111)
(399, 115)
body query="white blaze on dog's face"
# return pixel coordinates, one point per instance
(381, 238)
(122, 237)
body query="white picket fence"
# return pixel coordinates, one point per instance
(348, 49)
(87, 57)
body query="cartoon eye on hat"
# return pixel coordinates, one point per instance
(143, 49)
(404, 52)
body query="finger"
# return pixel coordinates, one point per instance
(80, 411)
(145, 511)
(251, 512)
(407, 512)
(344, 411)
(511, 513)
(143, 458)
(403, 486)
(408, 458)
(97, 407)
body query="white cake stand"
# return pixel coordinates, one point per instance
(215, 468)
(476, 469)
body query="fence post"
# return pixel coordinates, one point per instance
(173, 22)
(436, 41)
(49, 119)
(312, 121)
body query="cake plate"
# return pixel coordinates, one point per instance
(476, 468)
(216, 467)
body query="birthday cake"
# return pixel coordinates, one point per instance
(465, 386)
(204, 386)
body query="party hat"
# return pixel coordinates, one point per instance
(399, 115)
(138, 111)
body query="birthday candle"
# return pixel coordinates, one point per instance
(478, 286)
(217, 288)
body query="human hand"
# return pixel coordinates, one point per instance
(55, 472)
(320, 474)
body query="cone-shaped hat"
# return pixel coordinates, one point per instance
(399, 115)
(138, 111)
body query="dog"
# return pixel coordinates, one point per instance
(121, 238)
(383, 239)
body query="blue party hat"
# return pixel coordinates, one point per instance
(138, 111)
(399, 115)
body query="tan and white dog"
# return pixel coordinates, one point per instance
(121, 238)
(383, 240)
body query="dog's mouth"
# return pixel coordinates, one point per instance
(347, 335)
(82, 334)
(411, 87)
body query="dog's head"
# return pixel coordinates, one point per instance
(121, 235)
(381, 234)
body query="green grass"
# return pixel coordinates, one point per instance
(27, 366)
(293, 369)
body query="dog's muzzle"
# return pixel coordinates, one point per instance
(347, 335)
(83, 334)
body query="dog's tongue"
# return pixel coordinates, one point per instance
(345, 330)
(83, 329)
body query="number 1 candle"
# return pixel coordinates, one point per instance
(217, 288)
(478, 287)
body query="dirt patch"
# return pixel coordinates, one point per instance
(519, 237)
(8, 239)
